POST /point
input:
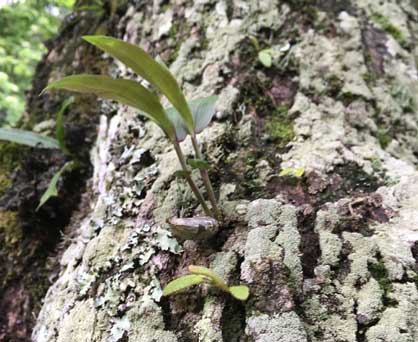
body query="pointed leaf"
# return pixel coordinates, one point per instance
(292, 171)
(299, 172)
(28, 138)
(203, 110)
(182, 283)
(145, 66)
(240, 292)
(199, 164)
(178, 123)
(124, 91)
(59, 125)
(287, 171)
(204, 271)
(52, 191)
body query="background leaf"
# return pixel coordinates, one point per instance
(28, 138)
(292, 171)
(52, 191)
(264, 57)
(124, 91)
(59, 125)
(299, 172)
(240, 292)
(181, 173)
(199, 164)
(182, 283)
(145, 66)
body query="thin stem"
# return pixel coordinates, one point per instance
(206, 180)
(190, 180)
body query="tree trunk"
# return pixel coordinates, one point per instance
(328, 256)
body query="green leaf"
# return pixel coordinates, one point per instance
(240, 292)
(292, 171)
(59, 129)
(286, 171)
(178, 123)
(199, 164)
(124, 91)
(299, 172)
(52, 191)
(204, 271)
(202, 109)
(29, 138)
(145, 66)
(181, 173)
(264, 57)
(254, 41)
(182, 283)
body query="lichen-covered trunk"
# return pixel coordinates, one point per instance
(328, 256)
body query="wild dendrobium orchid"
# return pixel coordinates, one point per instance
(182, 119)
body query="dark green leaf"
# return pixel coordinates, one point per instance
(240, 292)
(199, 164)
(181, 173)
(29, 138)
(182, 283)
(52, 191)
(59, 125)
(127, 92)
(145, 66)
(204, 271)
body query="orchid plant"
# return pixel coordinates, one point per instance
(183, 119)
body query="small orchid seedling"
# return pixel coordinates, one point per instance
(201, 275)
(184, 118)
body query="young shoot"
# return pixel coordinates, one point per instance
(200, 275)
(184, 118)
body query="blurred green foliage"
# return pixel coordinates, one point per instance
(24, 26)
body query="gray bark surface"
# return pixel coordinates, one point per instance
(330, 256)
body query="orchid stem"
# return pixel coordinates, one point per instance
(189, 179)
(206, 180)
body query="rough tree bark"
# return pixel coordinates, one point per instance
(330, 256)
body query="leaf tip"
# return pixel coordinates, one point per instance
(240, 292)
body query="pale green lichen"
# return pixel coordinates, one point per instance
(387, 26)
(289, 238)
(79, 324)
(147, 323)
(369, 302)
(208, 328)
(278, 328)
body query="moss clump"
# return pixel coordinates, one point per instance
(261, 104)
(10, 157)
(279, 127)
(379, 272)
(383, 137)
(387, 26)
(173, 36)
(5, 183)
(10, 230)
